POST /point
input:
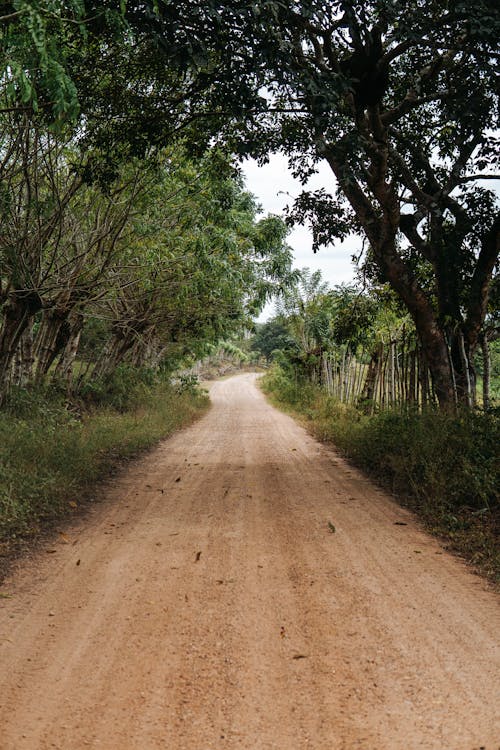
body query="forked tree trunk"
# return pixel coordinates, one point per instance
(114, 353)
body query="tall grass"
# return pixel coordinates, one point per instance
(51, 454)
(443, 466)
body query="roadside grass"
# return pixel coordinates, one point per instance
(51, 454)
(442, 466)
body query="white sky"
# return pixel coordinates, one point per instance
(274, 187)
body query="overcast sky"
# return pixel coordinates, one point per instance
(274, 188)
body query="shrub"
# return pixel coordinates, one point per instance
(123, 390)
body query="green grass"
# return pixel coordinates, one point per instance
(50, 456)
(442, 466)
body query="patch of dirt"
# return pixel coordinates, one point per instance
(242, 586)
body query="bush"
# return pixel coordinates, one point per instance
(123, 390)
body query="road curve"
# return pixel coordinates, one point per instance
(207, 603)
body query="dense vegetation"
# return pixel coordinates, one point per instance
(166, 259)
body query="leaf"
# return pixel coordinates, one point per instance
(331, 527)
(72, 504)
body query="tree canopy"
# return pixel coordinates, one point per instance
(399, 99)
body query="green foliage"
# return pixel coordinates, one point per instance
(50, 457)
(35, 39)
(270, 337)
(144, 270)
(401, 101)
(443, 466)
(124, 389)
(316, 319)
(188, 384)
(283, 385)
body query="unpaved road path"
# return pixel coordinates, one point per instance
(207, 604)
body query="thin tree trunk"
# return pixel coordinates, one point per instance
(368, 393)
(485, 349)
(412, 379)
(64, 368)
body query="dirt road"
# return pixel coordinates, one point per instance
(207, 603)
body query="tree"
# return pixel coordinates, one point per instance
(400, 100)
(270, 337)
(404, 138)
(94, 231)
(36, 190)
(198, 266)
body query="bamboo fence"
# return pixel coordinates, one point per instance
(394, 374)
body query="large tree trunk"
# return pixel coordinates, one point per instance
(18, 311)
(431, 336)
